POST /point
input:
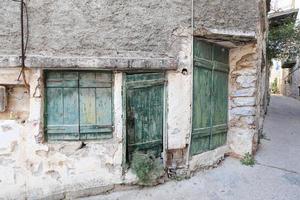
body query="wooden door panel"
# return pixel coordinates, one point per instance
(202, 50)
(220, 109)
(220, 98)
(220, 54)
(202, 98)
(201, 110)
(144, 113)
(210, 96)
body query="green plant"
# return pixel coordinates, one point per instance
(147, 167)
(248, 160)
(283, 41)
(274, 88)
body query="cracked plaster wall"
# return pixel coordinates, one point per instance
(27, 163)
(234, 17)
(96, 33)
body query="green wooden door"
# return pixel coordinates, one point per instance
(144, 113)
(210, 96)
(78, 105)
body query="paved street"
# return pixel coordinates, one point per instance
(276, 175)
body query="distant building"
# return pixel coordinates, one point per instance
(288, 75)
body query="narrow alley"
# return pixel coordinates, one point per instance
(276, 174)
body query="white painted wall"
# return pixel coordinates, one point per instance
(279, 5)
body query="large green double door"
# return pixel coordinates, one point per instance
(144, 113)
(210, 97)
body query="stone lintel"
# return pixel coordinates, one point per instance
(106, 63)
(227, 38)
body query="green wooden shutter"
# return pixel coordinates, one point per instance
(62, 117)
(78, 105)
(144, 112)
(210, 96)
(95, 92)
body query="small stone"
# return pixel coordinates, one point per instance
(245, 72)
(244, 92)
(244, 111)
(244, 101)
(246, 81)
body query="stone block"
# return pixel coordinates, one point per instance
(240, 140)
(208, 159)
(244, 101)
(246, 81)
(249, 92)
(245, 72)
(244, 111)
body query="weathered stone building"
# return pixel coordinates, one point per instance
(288, 75)
(186, 79)
(291, 80)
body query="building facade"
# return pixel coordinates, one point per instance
(285, 72)
(186, 80)
(291, 80)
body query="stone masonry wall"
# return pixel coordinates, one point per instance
(291, 82)
(242, 105)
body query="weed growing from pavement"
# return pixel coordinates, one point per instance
(248, 160)
(147, 167)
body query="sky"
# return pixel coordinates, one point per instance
(284, 5)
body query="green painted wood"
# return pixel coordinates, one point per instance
(210, 96)
(220, 108)
(61, 79)
(78, 105)
(95, 80)
(95, 113)
(62, 118)
(201, 110)
(144, 113)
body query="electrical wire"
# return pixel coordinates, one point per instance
(23, 46)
